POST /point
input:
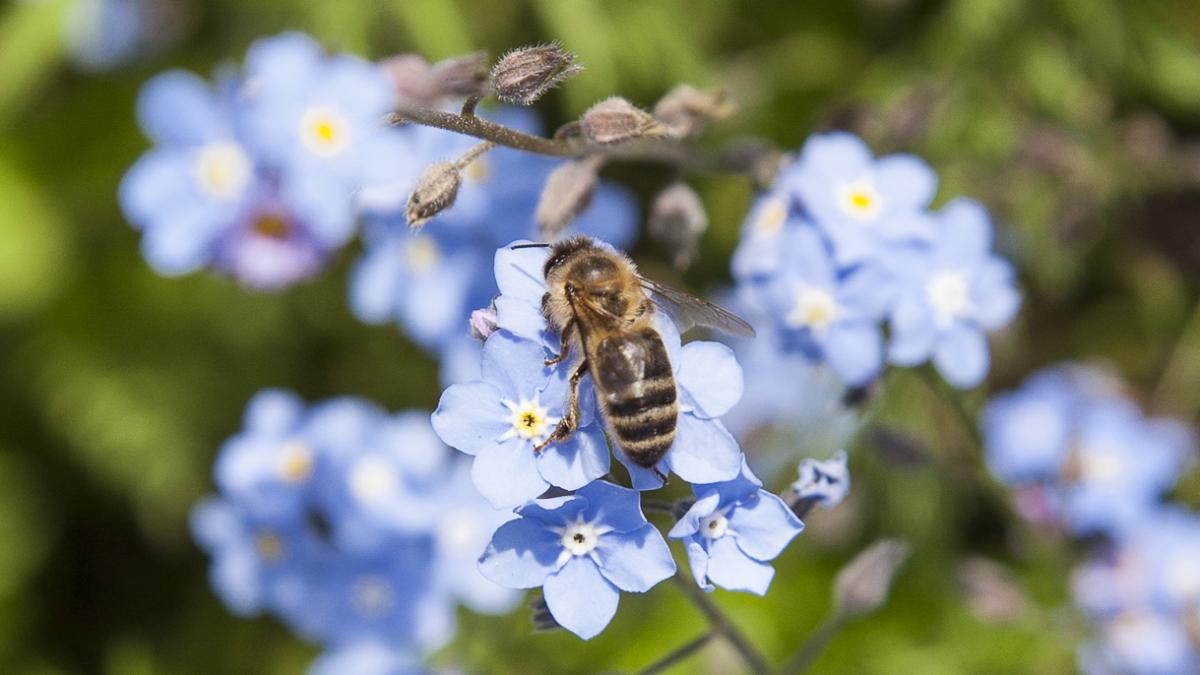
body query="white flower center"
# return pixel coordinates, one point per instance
(1101, 464)
(814, 309)
(771, 218)
(295, 462)
(1183, 578)
(222, 170)
(715, 526)
(580, 538)
(531, 421)
(372, 479)
(859, 199)
(269, 546)
(478, 171)
(949, 296)
(422, 254)
(372, 595)
(458, 534)
(324, 131)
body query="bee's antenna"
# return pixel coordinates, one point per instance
(517, 246)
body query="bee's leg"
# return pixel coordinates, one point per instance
(564, 347)
(570, 419)
(661, 476)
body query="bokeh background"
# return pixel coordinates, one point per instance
(1076, 123)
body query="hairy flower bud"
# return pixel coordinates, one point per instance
(862, 586)
(413, 79)
(614, 120)
(567, 193)
(524, 75)
(462, 76)
(435, 192)
(483, 322)
(677, 219)
(685, 110)
(993, 593)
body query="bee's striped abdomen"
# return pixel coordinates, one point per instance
(636, 388)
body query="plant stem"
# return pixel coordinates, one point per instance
(679, 654)
(659, 151)
(808, 653)
(1175, 382)
(722, 625)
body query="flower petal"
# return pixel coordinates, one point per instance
(712, 377)
(522, 554)
(730, 568)
(617, 507)
(469, 416)
(519, 272)
(689, 524)
(698, 561)
(635, 561)
(580, 599)
(962, 356)
(515, 365)
(506, 473)
(764, 526)
(855, 351)
(913, 332)
(704, 452)
(576, 462)
(179, 107)
(907, 182)
(273, 411)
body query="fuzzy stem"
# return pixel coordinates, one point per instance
(721, 624)
(654, 150)
(808, 653)
(473, 153)
(679, 654)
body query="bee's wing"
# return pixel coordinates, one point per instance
(688, 310)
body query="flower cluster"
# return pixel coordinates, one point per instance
(844, 242)
(358, 529)
(256, 174)
(1080, 456)
(428, 281)
(584, 548)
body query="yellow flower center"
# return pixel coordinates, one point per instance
(324, 131)
(530, 420)
(295, 462)
(423, 254)
(222, 170)
(860, 199)
(372, 595)
(269, 546)
(814, 309)
(715, 526)
(771, 218)
(272, 226)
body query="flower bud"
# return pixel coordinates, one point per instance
(677, 219)
(614, 120)
(567, 193)
(862, 586)
(413, 79)
(461, 76)
(993, 593)
(543, 620)
(483, 323)
(685, 110)
(435, 192)
(524, 75)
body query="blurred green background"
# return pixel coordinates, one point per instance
(1076, 122)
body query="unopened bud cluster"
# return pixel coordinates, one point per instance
(677, 220)
(686, 111)
(615, 120)
(567, 193)
(862, 586)
(417, 81)
(435, 192)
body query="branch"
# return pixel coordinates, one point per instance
(678, 655)
(722, 625)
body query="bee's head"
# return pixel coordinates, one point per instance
(561, 251)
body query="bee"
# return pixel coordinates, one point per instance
(603, 309)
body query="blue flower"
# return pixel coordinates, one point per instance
(1027, 432)
(860, 203)
(823, 482)
(707, 374)
(582, 550)
(367, 657)
(951, 293)
(313, 114)
(1141, 642)
(500, 419)
(221, 189)
(731, 532)
(103, 34)
(833, 316)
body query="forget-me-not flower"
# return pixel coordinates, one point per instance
(952, 292)
(707, 375)
(824, 482)
(582, 550)
(731, 532)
